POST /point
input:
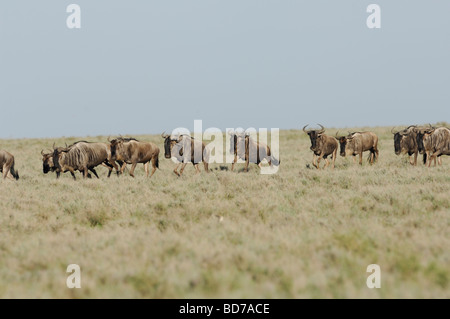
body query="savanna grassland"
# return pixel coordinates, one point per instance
(301, 233)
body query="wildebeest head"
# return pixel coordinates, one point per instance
(343, 141)
(239, 139)
(399, 139)
(47, 162)
(314, 136)
(57, 151)
(169, 143)
(398, 136)
(114, 145)
(421, 134)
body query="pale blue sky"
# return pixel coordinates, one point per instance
(139, 67)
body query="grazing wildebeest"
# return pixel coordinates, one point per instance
(131, 151)
(7, 165)
(82, 156)
(185, 149)
(433, 143)
(405, 141)
(359, 142)
(249, 150)
(322, 146)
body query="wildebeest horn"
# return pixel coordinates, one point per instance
(393, 131)
(109, 139)
(42, 152)
(54, 148)
(322, 129)
(305, 127)
(164, 135)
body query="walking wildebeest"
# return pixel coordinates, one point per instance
(249, 150)
(433, 143)
(131, 151)
(7, 165)
(82, 156)
(185, 149)
(322, 146)
(359, 142)
(405, 141)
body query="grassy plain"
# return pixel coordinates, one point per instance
(300, 233)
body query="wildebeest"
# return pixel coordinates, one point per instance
(433, 143)
(405, 141)
(7, 165)
(82, 156)
(249, 150)
(131, 151)
(359, 142)
(185, 149)
(322, 146)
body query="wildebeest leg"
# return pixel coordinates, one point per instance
(234, 162)
(415, 158)
(146, 168)
(85, 172)
(110, 167)
(260, 165)
(318, 161)
(72, 172)
(360, 158)
(334, 156)
(429, 159)
(247, 161)
(326, 163)
(118, 167)
(437, 155)
(206, 166)
(153, 166)
(5, 171)
(183, 165)
(176, 168)
(133, 166)
(93, 171)
(197, 170)
(122, 169)
(314, 160)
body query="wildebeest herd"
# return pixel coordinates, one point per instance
(85, 156)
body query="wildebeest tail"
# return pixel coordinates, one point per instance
(375, 157)
(274, 161)
(157, 161)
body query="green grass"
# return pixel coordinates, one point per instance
(300, 233)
